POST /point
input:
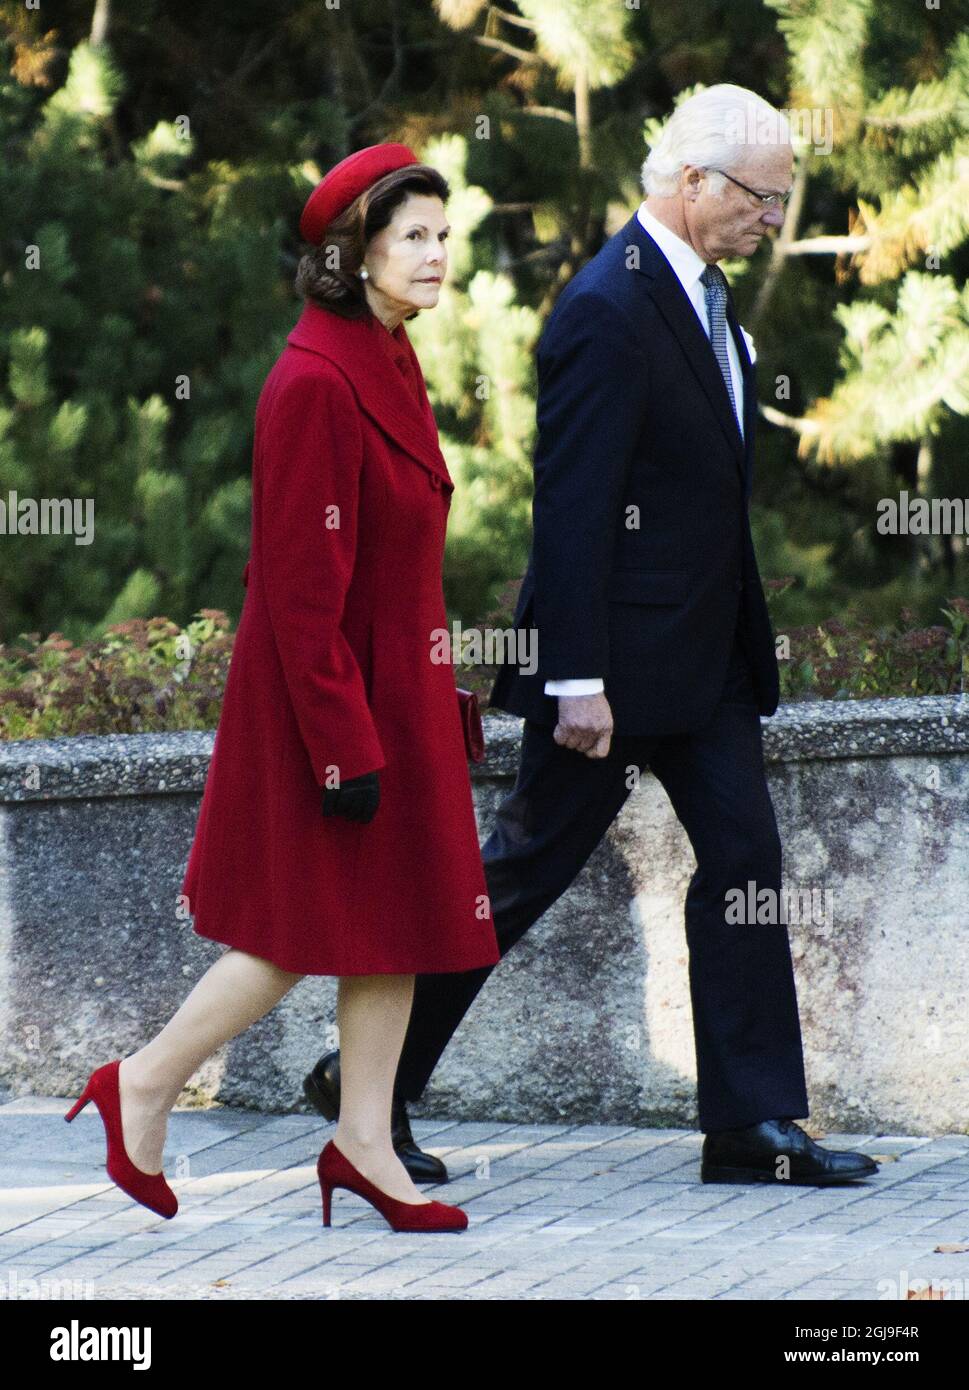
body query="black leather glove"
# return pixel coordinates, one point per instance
(355, 799)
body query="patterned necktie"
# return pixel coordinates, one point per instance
(715, 289)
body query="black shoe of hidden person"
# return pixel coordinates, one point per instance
(322, 1089)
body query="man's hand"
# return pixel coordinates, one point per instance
(355, 799)
(585, 724)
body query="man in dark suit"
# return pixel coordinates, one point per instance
(654, 643)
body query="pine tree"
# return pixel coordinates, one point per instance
(130, 331)
(476, 353)
(902, 155)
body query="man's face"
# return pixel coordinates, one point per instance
(733, 223)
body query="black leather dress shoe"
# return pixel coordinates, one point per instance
(322, 1089)
(778, 1151)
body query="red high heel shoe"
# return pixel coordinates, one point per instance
(334, 1169)
(150, 1189)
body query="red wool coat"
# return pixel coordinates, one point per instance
(332, 675)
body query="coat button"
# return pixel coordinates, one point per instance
(738, 585)
(435, 481)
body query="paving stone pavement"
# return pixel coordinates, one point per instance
(556, 1212)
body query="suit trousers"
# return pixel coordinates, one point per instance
(749, 1058)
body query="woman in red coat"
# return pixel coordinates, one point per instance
(336, 834)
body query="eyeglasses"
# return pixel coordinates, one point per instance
(766, 200)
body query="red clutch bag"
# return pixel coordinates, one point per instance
(471, 723)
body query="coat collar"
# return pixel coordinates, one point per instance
(674, 305)
(366, 360)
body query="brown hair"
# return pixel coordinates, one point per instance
(328, 274)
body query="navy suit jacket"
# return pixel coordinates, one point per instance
(642, 560)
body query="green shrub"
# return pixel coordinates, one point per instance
(141, 676)
(149, 675)
(832, 660)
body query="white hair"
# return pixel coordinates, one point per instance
(714, 128)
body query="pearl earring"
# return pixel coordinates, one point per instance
(363, 273)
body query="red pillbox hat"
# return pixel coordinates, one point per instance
(346, 181)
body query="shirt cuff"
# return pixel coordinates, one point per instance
(592, 686)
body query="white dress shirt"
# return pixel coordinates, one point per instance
(687, 266)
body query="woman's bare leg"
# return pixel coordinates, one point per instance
(236, 991)
(372, 1016)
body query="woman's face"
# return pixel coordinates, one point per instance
(407, 261)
